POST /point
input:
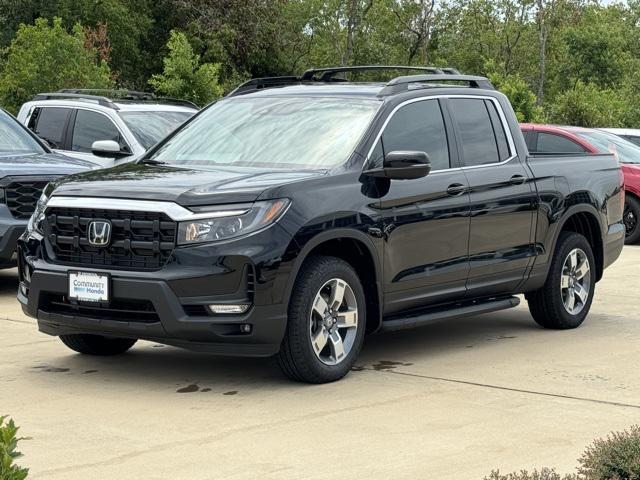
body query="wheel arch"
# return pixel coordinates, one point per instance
(355, 248)
(584, 219)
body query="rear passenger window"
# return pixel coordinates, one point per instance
(551, 143)
(473, 122)
(91, 127)
(498, 128)
(50, 123)
(418, 126)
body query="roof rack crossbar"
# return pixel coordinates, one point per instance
(327, 74)
(400, 84)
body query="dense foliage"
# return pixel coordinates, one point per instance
(563, 61)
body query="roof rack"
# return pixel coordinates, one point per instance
(401, 84)
(327, 75)
(108, 98)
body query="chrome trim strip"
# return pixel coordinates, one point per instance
(503, 120)
(171, 209)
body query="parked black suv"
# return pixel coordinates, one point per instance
(26, 166)
(300, 213)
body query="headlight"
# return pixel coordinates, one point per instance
(36, 220)
(223, 227)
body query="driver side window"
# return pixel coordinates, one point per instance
(418, 126)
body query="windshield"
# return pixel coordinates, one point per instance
(149, 127)
(626, 151)
(14, 139)
(268, 132)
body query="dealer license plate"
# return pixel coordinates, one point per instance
(88, 287)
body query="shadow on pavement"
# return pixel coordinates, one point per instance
(158, 367)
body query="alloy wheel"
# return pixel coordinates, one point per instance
(630, 220)
(334, 322)
(575, 284)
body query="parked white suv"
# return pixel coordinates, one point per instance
(103, 126)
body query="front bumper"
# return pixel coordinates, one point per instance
(169, 305)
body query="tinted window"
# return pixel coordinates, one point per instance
(50, 123)
(632, 139)
(550, 143)
(474, 125)
(419, 126)
(91, 127)
(498, 128)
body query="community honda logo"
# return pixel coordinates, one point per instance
(99, 233)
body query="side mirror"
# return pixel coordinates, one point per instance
(108, 148)
(403, 165)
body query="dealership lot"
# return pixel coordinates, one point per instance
(450, 400)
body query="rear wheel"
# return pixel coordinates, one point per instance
(631, 218)
(565, 299)
(326, 322)
(97, 344)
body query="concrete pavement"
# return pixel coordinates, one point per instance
(452, 400)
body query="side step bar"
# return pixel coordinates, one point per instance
(447, 312)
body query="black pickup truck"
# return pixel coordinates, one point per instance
(300, 213)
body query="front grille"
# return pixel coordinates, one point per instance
(138, 311)
(22, 196)
(139, 240)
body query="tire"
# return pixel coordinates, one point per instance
(305, 360)
(547, 305)
(631, 220)
(97, 344)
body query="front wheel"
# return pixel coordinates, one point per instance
(631, 217)
(326, 322)
(565, 298)
(97, 344)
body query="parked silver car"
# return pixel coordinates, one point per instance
(103, 126)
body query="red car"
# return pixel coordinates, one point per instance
(551, 139)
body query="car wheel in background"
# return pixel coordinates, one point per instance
(97, 344)
(631, 218)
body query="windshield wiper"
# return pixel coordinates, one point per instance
(150, 161)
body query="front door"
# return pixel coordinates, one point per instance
(426, 220)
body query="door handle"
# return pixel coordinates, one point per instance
(456, 189)
(517, 180)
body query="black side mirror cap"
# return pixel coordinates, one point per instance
(403, 165)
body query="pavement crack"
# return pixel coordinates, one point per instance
(507, 389)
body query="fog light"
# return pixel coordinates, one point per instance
(229, 309)
(245, 328)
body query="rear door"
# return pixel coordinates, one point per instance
(503, 198)
(425, 220)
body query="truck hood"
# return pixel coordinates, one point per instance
(185, 186)
(41, 164)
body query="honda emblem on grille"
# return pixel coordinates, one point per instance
(99, 233)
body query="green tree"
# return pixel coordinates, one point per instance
(184, 76)
(588, 105)
(522, 99)
(45, 57)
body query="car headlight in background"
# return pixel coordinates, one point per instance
(225, 224)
